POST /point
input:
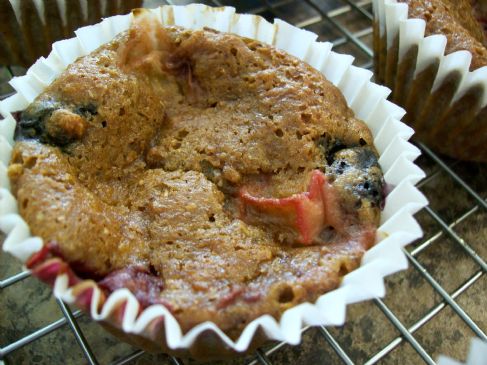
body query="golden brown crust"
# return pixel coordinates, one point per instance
(147, 172)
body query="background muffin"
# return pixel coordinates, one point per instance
(28, 28)
(441, 85)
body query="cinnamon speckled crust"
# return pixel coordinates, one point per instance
(146, 174)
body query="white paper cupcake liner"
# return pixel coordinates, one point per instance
(477, 355)
(446, 103)
(368, 100)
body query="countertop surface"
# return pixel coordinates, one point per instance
(29, 305)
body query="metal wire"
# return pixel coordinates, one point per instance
(428, 242)
(336, 346)
(348, 34)
(262, 357)
(175, 360)
(453, 175)
(454, 305)
(361, 8)
(404, 331)
(36, 334)
(128, 359)
(14, 279)
(80, 338)
(433, 312)
(470, 251)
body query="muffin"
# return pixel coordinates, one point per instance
(441, 85)
(25, 35)
(195, 190)
(213, 174)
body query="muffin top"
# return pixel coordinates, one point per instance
(207, 172)
(463, 22)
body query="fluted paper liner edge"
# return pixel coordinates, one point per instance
(477, 354)
(393, 21)
(368, 100)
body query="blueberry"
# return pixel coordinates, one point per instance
(357, 170)
(371, 189)
(87, 111)
(342, 166)
(330, 146)
(31, 123)
(366, 158)
(53, 122)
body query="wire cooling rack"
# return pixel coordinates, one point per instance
(434, 307)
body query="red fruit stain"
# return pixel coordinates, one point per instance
(308, 212)
(145, 286)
